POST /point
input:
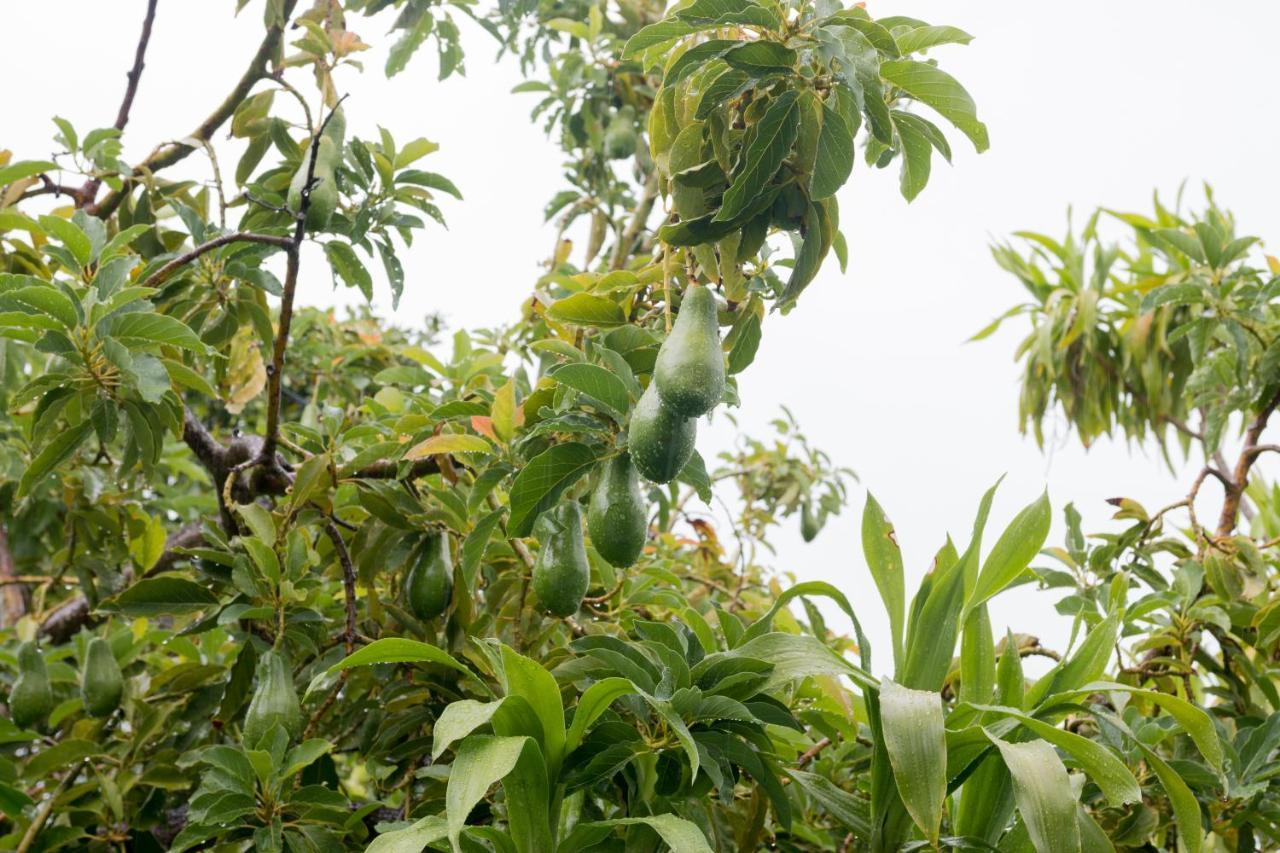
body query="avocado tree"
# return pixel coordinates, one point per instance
(277, 579)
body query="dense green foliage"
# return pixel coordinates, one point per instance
(277, 580)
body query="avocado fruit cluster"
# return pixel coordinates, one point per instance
(324, 191)
(688, 382)
(428, 587)
(274, 702)
(561, 572)
(101, 681)
(31, 697)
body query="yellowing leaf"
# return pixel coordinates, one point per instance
(452, 443)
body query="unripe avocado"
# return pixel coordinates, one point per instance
(809, 522)
(429, 585)
(561, 573)
(275, 701)
(616, 517)
(620, 137)
(101, 682)
(689, 372)
(324, 194)
(31, 698)
(660, 441)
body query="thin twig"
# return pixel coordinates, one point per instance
(1240, 477)
(639, 218)
(348, 582)
(90, 188)
(168, 154)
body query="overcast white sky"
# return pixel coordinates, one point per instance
(1088, 103)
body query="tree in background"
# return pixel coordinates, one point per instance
(275, 579)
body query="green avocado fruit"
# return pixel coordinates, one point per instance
(689, 372)
(324, 194)
(275, 701)
(101, 682)
(810, 524)
(620, 136)
(660, 441)
(429, 586)
(616, 517)
(561, 573)
(31, 698)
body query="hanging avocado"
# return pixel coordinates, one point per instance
(324, 194)
(660, 441)
(101, 682)
(616, 518)
(620, 137)
(429, 585)
(31, 698)
(561, 573)
(690, 369)
(810, 523)
(275, 701)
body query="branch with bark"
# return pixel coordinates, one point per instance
(169, 153)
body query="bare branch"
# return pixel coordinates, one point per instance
(13, 601)
(169, 153)
(1240, 477)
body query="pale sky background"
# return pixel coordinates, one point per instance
(1088, 103)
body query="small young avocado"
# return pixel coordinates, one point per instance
(324, 193)
(810, 522)
(561, 574)
(275, 701)
(101, 682)
(31, 698)
(689, 372)
(660, 441)
(620, 136)
(429, 585)
(617, 518)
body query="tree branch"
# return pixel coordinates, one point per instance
(169, 153)
(159, 276)
(638, 219)
(90, 189)
(1240, 477)
(275, 370)
(71, 615)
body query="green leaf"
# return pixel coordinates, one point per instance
(1186, 809)
(917, 153)
(12, 801)
(1013, 551)
(745, 345)
(759, 58)
(852, 811)
(934, 87)
(412, 839)
(460, 719)
(680, 835)
(529, 680)
(659, 33)
(47, 299)
(587, 309)
(768, 148)
(445, 443)
(884, 559)
(730, 12)
(347, 267)
(594, 702)
(834, 162)
(977, 657)
(58, 450)
(516, 761)
(24, 169)
(76, 241)
(595, 382)
(541, 483)
(1043, 793)
(165, 594)
(915, 739)
(923, 38)
(147, 327)
(397, 650)
(1109, 772)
